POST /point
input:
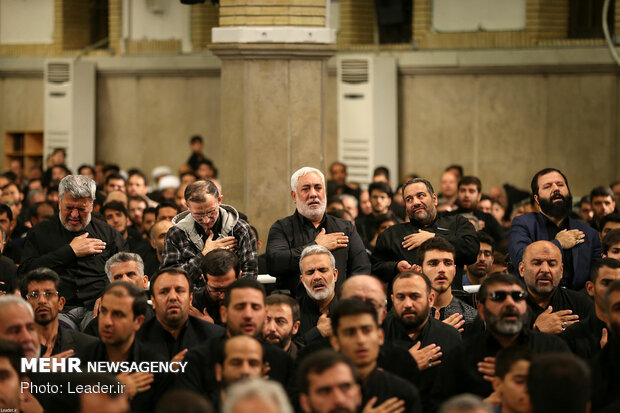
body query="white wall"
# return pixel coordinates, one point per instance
(168, 19)
(26, 21)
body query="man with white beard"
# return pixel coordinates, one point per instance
(309, 225)
(318, 276)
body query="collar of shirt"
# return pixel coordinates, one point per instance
(217, 229)
(307, 223)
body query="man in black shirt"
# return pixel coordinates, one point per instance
(380, 199)
(587, 337)
(74, 246)
(309, 225)
(357, 335)
(282, 323)
(397, 246)
(553, 307)
(173, 331)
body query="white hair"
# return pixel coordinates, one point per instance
(303, 171)
(314, 250)
(267, 390)
(10, 299)
(121, 257)
(351, 198)
(78, 186)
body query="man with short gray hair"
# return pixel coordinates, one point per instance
(76, 247)
(309, 225)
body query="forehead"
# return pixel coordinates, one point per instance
(356, 320)
(124, 267)
(69, 200)
(601, 198)
(415, 284)
(340, 373)
(503, 287)
(542, 251)
(14, 314)
(316, 260)
(311, 178)
(611, 225)
(171, 280)
(416, 188)
(437, 255)
(279, 310)
(468, 187)
(485, 246)
(136, 179)
(247, 349)
(114, 302)
(608, 273)
(209, 202)
(161, 228)
(519, 367)
(252, 295)
(361, 286)
(550, 177)
(41, 285)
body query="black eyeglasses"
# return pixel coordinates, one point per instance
(500, 296)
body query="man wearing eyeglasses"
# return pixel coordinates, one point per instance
(76, 247)
(470, 368)
(206, 226)
(553, 307)
(40, 288)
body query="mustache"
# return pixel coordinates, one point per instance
(509, 312)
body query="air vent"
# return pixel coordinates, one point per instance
(354, 71)
(58, 72)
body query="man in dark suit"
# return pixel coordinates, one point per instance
(579, 243)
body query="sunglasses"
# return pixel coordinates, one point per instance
(500, 296)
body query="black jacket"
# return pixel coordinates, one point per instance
(389, 250)
(584, 337)
(82, 280)
(384, 385)
(563, 299)
(289, 236)
(68, 339)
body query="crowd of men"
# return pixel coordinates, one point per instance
(384, 301)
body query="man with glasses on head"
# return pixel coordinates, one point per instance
(76, 247)
(208, 225)
(470, 367)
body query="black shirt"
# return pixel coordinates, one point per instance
(68, 339)
(202, 300)
(309, 317)
(384, 385)
(289, 236)
(83, 279)
(567, 254)
(389, 250)
(584, 337)
(491, 226)
(605, 368)
(194, 332)
(563, 299)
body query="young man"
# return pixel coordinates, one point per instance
(478, 271)
(510, 381)
(611, 244)
(380, 199)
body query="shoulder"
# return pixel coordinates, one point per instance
(342, 224)
(284, 222)
(544, 342)
(208, 329)
(582, 226)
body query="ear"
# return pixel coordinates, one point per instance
(381, 336)
(294, 196)
(61, 303)
(335, 274)
(333, 340)
(304, 403)
(431, 298)
(521, 269)
(561, 271)
(536, 200)
(434, 199)
(153, 301)
(295, 328)
(416, 267)
(590, 288)
(240, 274)
(152, 243)
(219, 199)
(137, 322)
(224, 314)
(218, 372)
(145, 281)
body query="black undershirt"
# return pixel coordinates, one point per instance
(567, 255)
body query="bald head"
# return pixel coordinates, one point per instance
(541, 268)
(368, 288)
(539, 247)
(158, 235)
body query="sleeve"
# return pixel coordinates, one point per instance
(358, 261)
(282, 258)
(34, 256)
(383, 259)
(465, 242)
(520, 237)
(177, 253)
(246, 251)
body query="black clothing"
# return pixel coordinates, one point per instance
(289, 236)
(584, 337)
(365, 225)
(563, 299)
(389, 250)
(83, 279)
(458, 373)
(568, 272)
(384, 385)
(92, 328)
(398, 361)
(138, 245)
(491, 226)
(8, 273)
(309, 317)
(144, 401)
(202, 300)
(605, 369)
(161, 341)
(195, 159)
(68, 339)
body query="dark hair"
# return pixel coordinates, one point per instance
(486, 238)
(219, 262)
(558, 383)
(19, 189)
(534, 183)
(381, 187)
(139, 199)
(285, 299)
(508, 356)
(39, 275)
(497, 278)
(114, 176)
(319, 361)
(111, 167)
(34, 209)
(183, 401)
(196, 191)
(436, 243)
(85, 165)
(196, 138)
(63, 167)
(14, 353)
(255, 231)
(337, 163)
(349, 307)
(383, 218)
(340, 213)
(428, 185)
(139, 306)
(471, 180)
(115, 206)
(243, 283)
(609, 240)
(381, 170)
(584, 199)
(603, 262)
(164, 204)
(150, 210)
(602, 191)
(411, 274)
(613, 217)
(137, 172)
(457, 167)
(172, 271)
(5, 209)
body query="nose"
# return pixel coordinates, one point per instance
(544, 267)
(25, 336)
(75, 213)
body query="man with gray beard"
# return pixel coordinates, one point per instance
(471, 366)
(309, 225)
(318, 276)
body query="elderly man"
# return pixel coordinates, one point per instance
(17, 324)
(309, 225)
(579, 243)
(208, 225)
(74, 246)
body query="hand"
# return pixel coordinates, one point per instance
(226, 243)
(135, 382)
(403, 266)
(604, 338)
(487, 368)
(203, 316)
(96, 307)
(555, 323)
(83, 246)
(392, 405)
(62, 355)
(426, 357)
(324, 325)
(332, 240)
(568, 238)
(179, 356)
(416, 239)
(456, 320)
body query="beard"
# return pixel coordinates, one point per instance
(545, 291)
(280, 341)
(413, 323)
(321, 295)
(312, 213)
(556, 209)
(424, 216)
(498, 325)
(477, 271)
